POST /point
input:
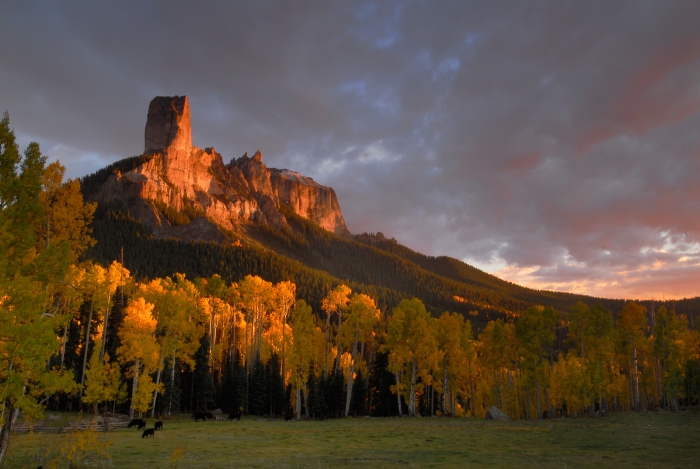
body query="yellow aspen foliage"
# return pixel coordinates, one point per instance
(139, 346)
(102, 380)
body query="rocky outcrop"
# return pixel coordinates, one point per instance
(168, 125)
(190, 180)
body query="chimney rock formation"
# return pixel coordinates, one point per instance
(176, 174)
(168, 125)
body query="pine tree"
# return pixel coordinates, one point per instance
(204, 390)
(275, 386)
(226, 393)
(359, 396)
(258, 389)
(240, 392)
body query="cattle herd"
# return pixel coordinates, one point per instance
(140, 424)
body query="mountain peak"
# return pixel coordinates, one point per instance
(173, 176)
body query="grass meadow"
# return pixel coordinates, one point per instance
(639, 440)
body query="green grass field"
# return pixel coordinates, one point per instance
(645, 440)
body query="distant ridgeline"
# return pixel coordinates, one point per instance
(177, 208)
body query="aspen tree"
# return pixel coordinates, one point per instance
(630, 326)
(334, 303)
(411, 345)
(140, 349)
(363, 316)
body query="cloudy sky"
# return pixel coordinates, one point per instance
(554, 144)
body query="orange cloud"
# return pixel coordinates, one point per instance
(646, 104)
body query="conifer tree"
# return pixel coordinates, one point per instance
(275, 389)
(203, 383)
(359, 396)
(258, 389)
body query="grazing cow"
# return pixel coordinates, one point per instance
(199, 416)
(151, 432)
(209, 415)
(142, 424)
(136, 423)
(289, 415)
(159, 425)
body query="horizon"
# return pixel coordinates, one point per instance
(554, 147)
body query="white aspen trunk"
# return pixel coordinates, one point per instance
(298, 404)
(134, 388)
(6, 431)
(155, 393)
(412, 397)
(87, 347)
(63, 346)
(351, 377)
(505, 396)
(337, 355)
(636, 380)
(328, 339)
(539, 401)
(104, 331)
(172, 383)
(398, 393)
(444, 386)
(284, 355)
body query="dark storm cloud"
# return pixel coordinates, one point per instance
(557, 144)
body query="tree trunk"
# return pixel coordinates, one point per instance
(539, 401)
(63, 346)
(172, 383)
(328, 339)
(6, 431)
(155, 393)
(444, 386)
(398, 393)
(636, 380)
(284, 329)
(87, 347)
(337, 355)
(471, 389)
(412, 396)
(134, 388)
(351, 376)
(104, 331)
(298, 405)
(658, 382)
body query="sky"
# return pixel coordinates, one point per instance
(553, 144)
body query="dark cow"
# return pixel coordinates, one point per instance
(137, 423)
(159, 425)
(235, 415)
(151, 432)
(199, 416)
(209, 415)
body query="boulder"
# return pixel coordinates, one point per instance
(494, 414)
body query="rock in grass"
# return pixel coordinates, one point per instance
(495, 414)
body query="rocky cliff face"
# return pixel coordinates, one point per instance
(178, 175)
